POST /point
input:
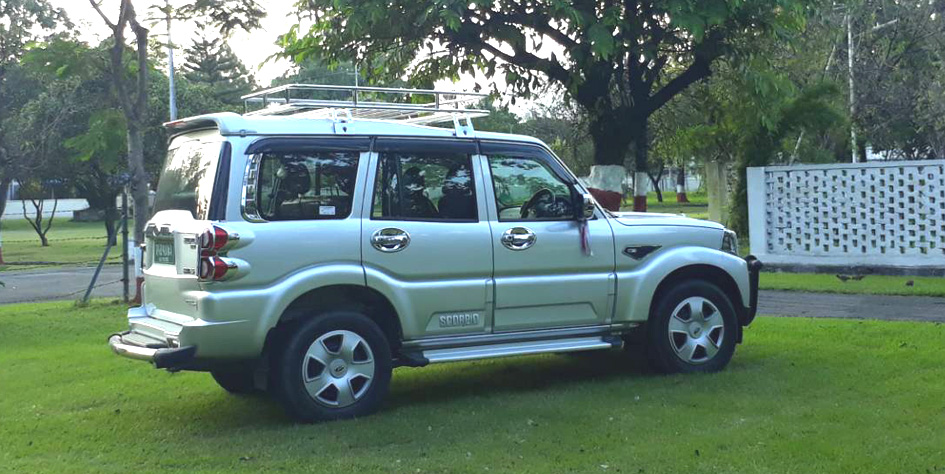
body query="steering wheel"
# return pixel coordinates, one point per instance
(544, 203)
(530, 208)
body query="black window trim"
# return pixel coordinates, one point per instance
(221, 184)
(315, 143)
(403, 145)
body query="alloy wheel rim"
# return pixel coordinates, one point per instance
(338, 369)
(696, 330)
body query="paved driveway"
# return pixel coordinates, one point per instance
(826, 305)
(60, 284)
(70, 284)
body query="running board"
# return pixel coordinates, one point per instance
(521, 348)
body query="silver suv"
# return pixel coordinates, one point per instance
(310, 247)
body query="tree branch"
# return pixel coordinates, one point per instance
(468, 35)
(701, 68)
(102, 14)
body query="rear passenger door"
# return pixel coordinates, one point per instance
(425, 237)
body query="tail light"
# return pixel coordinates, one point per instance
(214, 267)
(217, 239)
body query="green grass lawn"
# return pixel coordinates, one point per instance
(801, 396)
(697, 208)
(70, 243)
(871, 284)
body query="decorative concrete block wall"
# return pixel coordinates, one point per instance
(865, 214)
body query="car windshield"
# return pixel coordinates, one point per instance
(186, 182)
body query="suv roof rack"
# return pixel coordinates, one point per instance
(364, 102)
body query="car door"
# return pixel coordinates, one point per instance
(543, 276)
(426, 238)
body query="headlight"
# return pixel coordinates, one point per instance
(730, 242)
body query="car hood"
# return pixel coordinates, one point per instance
(652, 218)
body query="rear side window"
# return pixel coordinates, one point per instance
(428, 186)
(306, 185)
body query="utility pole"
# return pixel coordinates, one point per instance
(170, 63)
(124, 245)
(853, 148)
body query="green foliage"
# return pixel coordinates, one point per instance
(899, 66)
(22, 22)
(620, 62)
(211, 62)
(105, 139)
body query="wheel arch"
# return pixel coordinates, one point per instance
(335, 297)
(710, 274)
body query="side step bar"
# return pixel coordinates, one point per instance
(521, 348)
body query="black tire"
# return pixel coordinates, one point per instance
(669, 351)
(235, 381)
(292, 366)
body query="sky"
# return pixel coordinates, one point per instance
(253, 48)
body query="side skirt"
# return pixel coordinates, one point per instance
(458, 348)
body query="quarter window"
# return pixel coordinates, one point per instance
(306, 185)
(525, 189)
(424, 186)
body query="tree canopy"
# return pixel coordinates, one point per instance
(620, 61)
(210, 61)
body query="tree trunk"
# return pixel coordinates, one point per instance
(139, 180)
(681, 185)
(641, 148)
(4, 191)
(37, 222)
(655, 180)
(111, 218)
(606, 178)
(5, 183)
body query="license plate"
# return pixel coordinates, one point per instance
(164, 252)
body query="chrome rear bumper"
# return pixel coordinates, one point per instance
(162, 357)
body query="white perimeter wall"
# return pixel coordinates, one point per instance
(877, 214)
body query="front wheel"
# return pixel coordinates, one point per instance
(334, 366)
(692, 329)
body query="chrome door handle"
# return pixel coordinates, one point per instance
(518, 238)
(390, 239)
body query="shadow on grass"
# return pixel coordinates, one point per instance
(503, 377)
(413, 388)
(464, 384)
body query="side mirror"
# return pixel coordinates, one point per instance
(584, 206)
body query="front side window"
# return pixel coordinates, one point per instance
(525, 189)
(424, 186)
(306, 185)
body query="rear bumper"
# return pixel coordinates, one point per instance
(177, 342)
(125, 345)
(754, 268)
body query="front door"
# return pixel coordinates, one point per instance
(543, 276)
(425, 238)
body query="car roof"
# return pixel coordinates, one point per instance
(229, 123)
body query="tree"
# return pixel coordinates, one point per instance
(99, 152)
(132, 95)
(899, 65)
(620, 61)
(21, 22)
(210, 61)
(36, 135)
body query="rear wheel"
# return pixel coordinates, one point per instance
(334, 366)
(692, 329)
